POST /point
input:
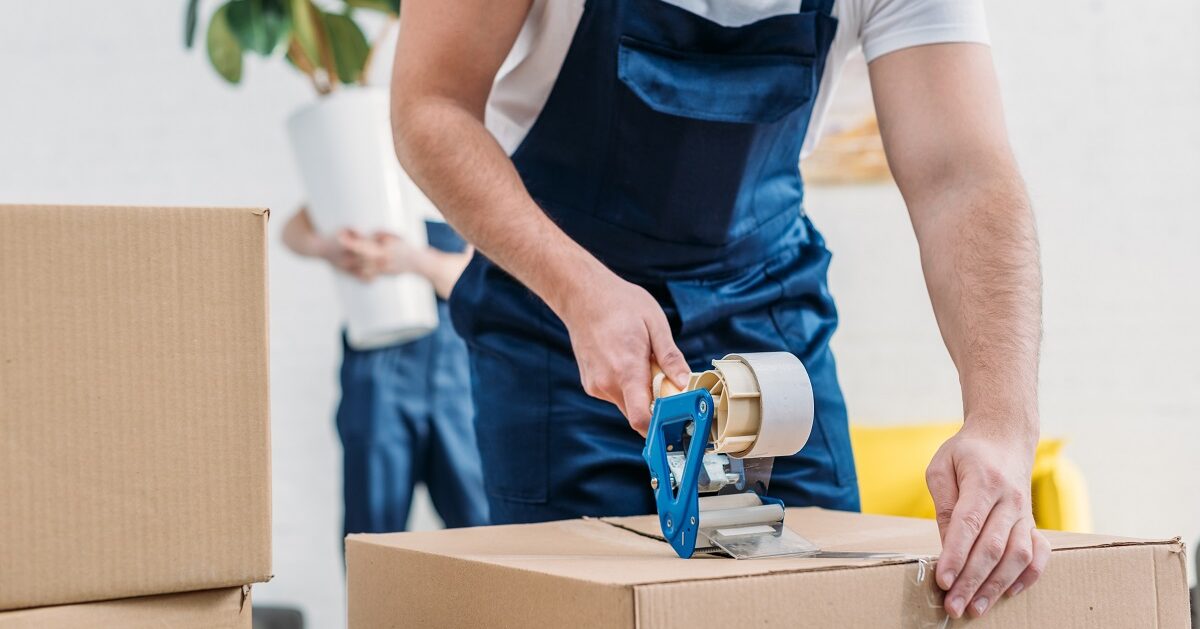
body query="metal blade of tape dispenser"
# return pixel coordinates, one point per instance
(745, 526)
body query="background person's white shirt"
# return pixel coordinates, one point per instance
(525, 79)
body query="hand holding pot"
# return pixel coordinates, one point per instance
(353, 254)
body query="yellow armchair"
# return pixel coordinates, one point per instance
(891, 475)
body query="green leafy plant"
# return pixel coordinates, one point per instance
(325, 44)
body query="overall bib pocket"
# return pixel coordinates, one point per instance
(699, 130)
(738, 88)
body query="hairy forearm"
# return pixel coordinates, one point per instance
(457, 163)
(979, 251)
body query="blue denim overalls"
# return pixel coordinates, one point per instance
(668, 148)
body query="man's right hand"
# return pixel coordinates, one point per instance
(617, 331)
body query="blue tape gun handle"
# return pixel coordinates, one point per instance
(678, 510)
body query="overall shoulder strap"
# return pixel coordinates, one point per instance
(820, 6)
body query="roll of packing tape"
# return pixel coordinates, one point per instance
(785, 403)
(764, 403)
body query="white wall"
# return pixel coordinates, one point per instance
(100, 104)
(1102, 103)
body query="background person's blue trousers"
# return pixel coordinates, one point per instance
(406, 417)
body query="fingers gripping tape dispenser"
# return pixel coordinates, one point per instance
(719, 438)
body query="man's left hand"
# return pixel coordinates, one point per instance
(980, 483)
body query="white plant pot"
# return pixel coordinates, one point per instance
(343, 146)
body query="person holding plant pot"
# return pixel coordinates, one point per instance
(405, 411)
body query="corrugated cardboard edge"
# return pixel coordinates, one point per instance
(223, 608)
(259, 211)
(1171, 585)
(268, 573)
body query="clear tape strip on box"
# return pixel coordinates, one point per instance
(928, 611)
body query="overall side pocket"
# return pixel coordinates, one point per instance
(509, 383)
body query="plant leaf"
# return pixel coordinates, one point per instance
(277, 23)
(349, 44)
(246, 20)
(224, 51)
(304, 29)
(391, 7)
(189, 23)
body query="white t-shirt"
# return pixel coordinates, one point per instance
(525, 79)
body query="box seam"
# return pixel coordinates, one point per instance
(1157, 593)
(637, 612)
(1112, 544)
(1179, 553)
(1167, 542)
(241, 582)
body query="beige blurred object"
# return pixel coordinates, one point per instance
(850, 150)
(848, 157)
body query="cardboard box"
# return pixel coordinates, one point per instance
(618, 573)
(210, 609)
(134, 437)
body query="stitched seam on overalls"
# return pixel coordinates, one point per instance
(629, 41)
(544, 481)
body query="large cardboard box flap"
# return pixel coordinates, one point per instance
(227, 608)
(134, 437)
(617, 572)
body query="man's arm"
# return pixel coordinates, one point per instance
(943, 128)
(446, 60)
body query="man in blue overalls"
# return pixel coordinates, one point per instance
(628, 172)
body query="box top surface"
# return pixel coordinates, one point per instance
(134, 436)
(630, 550)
